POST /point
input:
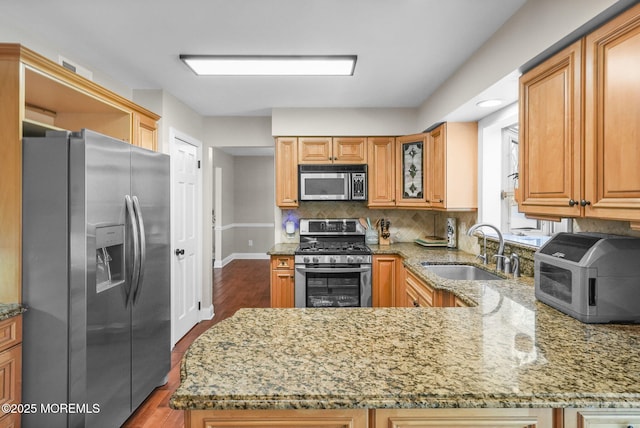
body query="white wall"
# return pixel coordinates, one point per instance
(490, 163)
(534, 28)
(343, 122)
(238, 131)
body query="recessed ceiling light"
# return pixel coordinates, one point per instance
(489, 103)
(271, 65)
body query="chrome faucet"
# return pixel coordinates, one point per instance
(500, 255)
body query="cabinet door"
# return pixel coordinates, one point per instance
(287, 172)
(601, 418)
(436, 172)
(145, 132)
(381, 172)
(550, 135)
(411, 152)
(463, 418)
(10, 377)
(315, 150)
(329, 418)
(282, 282)
(349, 150)
(385, 273)
(612, 109)
(282, 289)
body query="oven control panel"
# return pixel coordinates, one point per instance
(333, 259)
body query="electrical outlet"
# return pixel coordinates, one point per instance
(251, 242)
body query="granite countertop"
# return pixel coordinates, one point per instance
(8, 310)
(508, 350)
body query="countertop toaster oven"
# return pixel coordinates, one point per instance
(593, 277)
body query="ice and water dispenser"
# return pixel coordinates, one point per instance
(110, 263)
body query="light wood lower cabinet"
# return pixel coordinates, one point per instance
(349, 418)
(601, 418)
(418, 293)
(463, 418)
(384, 276)
(10, 368)
(282, 282)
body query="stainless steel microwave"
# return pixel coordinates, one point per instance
(593, 277)
(332, 182)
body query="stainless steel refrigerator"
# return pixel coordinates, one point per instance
(96, 278)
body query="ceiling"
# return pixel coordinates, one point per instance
(405, 48)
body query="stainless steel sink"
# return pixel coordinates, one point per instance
(461, 272)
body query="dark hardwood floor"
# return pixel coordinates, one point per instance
(240, 284)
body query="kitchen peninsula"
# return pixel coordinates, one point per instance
(508, 356)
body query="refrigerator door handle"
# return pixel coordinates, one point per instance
(143, 249)
(135, 274)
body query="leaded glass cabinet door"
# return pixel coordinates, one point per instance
(411, 159)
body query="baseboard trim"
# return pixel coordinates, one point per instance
(206, 313)
(240, 256)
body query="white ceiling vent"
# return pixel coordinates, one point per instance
(76, 68)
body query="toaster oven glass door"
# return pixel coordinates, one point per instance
(556, 282)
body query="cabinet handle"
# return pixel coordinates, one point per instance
(572, 203)
(437, 201)
(416, 304)
(585, 203)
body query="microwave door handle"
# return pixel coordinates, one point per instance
(333, 270)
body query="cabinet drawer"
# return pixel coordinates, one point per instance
(281, 262)
(424, 293)
(10, 332)
(601, 418)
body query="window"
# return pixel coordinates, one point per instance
(515, 223)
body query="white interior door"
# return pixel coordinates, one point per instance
(186, 220)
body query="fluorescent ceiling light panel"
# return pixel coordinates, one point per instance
(260, 65)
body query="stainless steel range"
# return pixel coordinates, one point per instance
(332, 264)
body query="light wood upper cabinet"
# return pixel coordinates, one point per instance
(350, 150)
(381, 172)
(39, 95)
(550, 135)
(438, 170)
(452, 166)
(577, 164)
(286, 165)
(145, 132)
(314, 150)
(612, 125)
(346, 150)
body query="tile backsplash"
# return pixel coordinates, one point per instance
(406, 225)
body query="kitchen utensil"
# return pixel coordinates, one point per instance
(363, 222)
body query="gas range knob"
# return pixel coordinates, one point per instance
(350, 259)
(306, 259)
(332, 260)
(316, 259)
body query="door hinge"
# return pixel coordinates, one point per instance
(198, 164)
(198, 305)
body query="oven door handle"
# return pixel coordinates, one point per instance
(333, 270)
